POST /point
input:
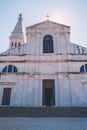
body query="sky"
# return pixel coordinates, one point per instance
(68, 12)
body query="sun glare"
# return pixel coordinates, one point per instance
(59, 18)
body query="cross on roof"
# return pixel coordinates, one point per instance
(47, 16)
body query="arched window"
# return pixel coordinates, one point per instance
(18, 44)
(48, 44)
(78, 49)
(83, 68)
(12, 44)
(10, 69)
(15, 44)
(4, 70)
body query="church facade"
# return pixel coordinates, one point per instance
(47, 70)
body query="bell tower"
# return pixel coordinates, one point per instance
(17, 36)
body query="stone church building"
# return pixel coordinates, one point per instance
(47, 70)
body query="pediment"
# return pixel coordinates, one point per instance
(47, 24)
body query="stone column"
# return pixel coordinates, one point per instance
(57, 92)
(40, 92)
(28, 41)
(36, 92)
(57, 41)
(38, 43)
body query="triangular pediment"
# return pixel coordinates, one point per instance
(47, 24)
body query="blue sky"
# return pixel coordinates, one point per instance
(69, 12)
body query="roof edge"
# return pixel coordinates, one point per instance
(31, 26)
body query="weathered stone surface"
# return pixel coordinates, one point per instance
(63, 66)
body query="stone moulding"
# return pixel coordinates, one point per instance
(7, 84)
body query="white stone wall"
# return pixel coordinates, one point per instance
(44, 63)
(27, 91)
(33, 66)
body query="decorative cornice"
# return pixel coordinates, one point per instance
(65, 74)
(7, 83)
(41, 61)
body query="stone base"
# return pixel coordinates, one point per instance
(43, 111)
